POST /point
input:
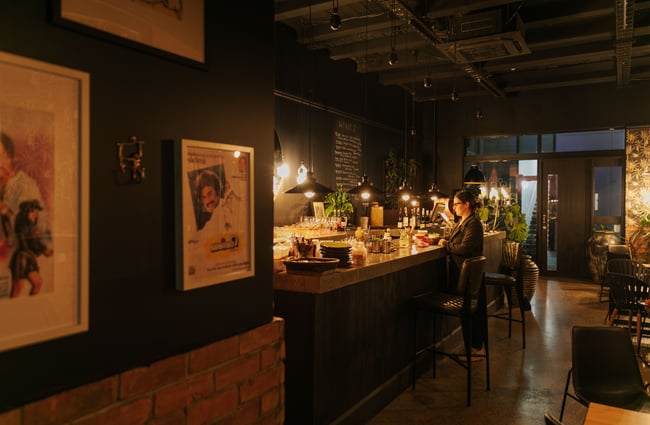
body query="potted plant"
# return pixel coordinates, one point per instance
(338, 204)
(513, 222)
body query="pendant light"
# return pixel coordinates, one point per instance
(434, 193)
(404, 191)
(474, 176)
(393, 59)
(309, 186)
(335, 18)
(365, 189)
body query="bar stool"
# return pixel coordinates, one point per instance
(507, 283)
(469, 300)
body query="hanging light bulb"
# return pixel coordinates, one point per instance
(427, 82)
(454, 96)
(335, 20)
(393, 59)
(302, 173)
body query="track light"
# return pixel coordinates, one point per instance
(454, 96)
(427, 82)
(335, 19)
(393, 59)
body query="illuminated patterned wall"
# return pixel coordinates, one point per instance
(637, 191)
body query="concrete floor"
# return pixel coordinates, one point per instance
(525, 383)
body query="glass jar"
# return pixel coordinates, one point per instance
(359, 254)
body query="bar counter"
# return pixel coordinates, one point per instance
(349, 333)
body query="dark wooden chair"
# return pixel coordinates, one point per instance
(468, 300)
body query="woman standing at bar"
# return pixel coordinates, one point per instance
(466, 241)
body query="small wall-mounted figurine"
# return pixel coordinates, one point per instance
(129, 155)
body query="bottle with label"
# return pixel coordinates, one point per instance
(405, 218)
(400, 220)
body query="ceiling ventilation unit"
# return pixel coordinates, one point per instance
(484, 36)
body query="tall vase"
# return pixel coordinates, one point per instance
(510, 256)
(530, 276)
(597, 246)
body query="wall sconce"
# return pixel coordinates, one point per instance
(129, 155)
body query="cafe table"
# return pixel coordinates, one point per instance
(602, 414)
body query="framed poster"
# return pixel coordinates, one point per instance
(44, 159)
(215, 211)
(319, 209)
(173, 27)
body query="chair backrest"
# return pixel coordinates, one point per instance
(629, 267)
(604, 364)
(621, 250)
(626, 289)
(622, 265)
(471, 277)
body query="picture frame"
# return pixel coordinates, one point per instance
(174, 29)
(215, 213)
(319, 209)
(44, 122)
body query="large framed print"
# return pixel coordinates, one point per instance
(175, 28)
(44, 111)
(215, 232)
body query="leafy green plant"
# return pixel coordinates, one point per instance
(338, 203)
(394, 176)
(513, 221)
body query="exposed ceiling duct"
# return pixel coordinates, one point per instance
(506, 46)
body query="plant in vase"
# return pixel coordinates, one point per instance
(338, 204)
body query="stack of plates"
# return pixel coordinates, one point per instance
(340, 250)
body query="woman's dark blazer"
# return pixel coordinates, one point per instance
(466, 240)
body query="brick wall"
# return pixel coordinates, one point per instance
(239, 380)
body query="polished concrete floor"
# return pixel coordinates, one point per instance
(525, 383)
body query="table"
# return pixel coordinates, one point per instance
(601, 414)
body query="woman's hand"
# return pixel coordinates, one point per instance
(443, 242)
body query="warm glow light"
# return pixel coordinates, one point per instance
(283, 170)
(483, 191)
(406, 197)
(302, 173)
(365, 195)
(504, 193)
(494, 194)
(414, 203)
(309, 194)
(236, 154)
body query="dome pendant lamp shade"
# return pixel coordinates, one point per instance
(435, 193)
(365, 189)
(474, 176)
(309, 187)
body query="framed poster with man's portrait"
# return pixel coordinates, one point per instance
(215, 211)
(44, 175)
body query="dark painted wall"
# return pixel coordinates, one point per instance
(314, 92)
(136, 315)
(547, 111)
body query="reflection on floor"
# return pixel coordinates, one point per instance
(525, 383)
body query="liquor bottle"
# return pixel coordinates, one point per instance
(400, 219)
(405, 218)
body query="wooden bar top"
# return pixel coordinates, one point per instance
(377, 265)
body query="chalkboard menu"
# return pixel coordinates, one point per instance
(347, 153)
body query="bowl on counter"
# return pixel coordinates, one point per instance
(311, 265)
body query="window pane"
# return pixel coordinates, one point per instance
(548, 143)
(590, 141)
(607, 193)
(528, 143)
